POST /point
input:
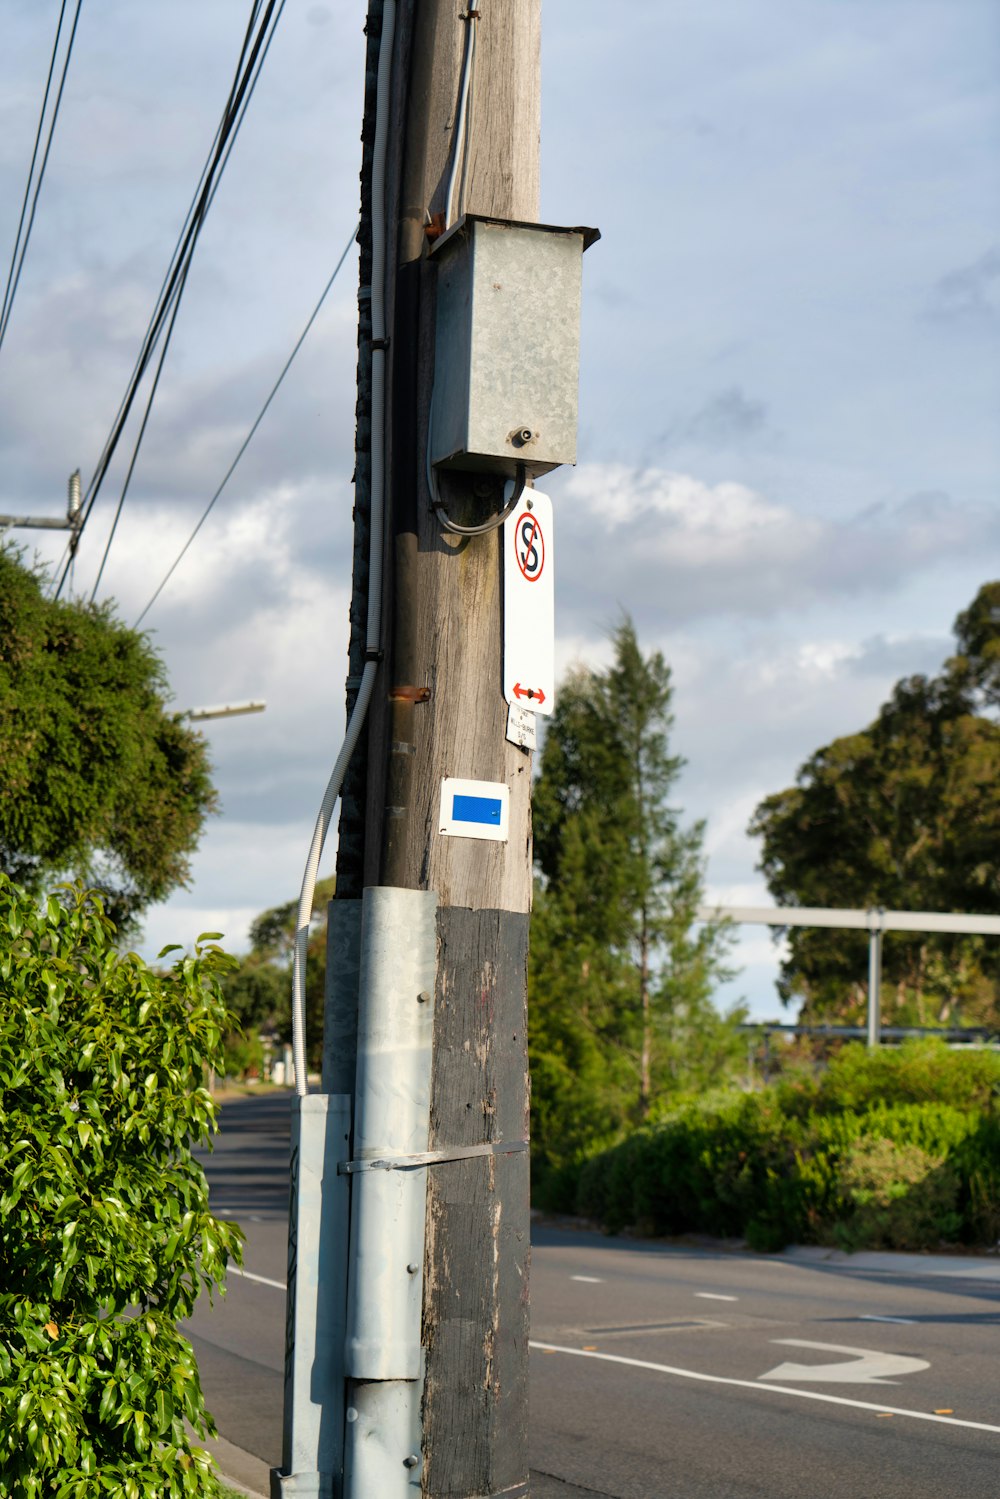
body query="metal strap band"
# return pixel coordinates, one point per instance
(430, 1157)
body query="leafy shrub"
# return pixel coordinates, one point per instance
(918, 1071)
(897, 1197)
(105, 1238)
(767, 1167)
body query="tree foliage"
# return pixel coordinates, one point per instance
(905, 815)
(259, 989)
(100, 780)
(620, 984)
(105, 1234)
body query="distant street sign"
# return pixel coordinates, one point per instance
(529, 605)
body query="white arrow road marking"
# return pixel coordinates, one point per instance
(865, 1366)
(770, 1389)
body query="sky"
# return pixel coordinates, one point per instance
(789, 396)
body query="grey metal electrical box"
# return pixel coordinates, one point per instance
(507, 347)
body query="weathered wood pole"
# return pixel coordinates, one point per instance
(438, 712)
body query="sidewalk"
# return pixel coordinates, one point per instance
(958, 1266)
(238, 1468)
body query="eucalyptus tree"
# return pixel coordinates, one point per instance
(620, 974)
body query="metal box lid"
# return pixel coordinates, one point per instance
(507, 347)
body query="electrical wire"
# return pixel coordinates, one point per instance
(460, 152)
(249, 437)
(494, 522)
(177, 277)
(373, 630)
(252, 54)
(21, 246)
(139, 366)
(141, 434)
(459, 144)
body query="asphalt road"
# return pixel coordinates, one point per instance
(661, 1372)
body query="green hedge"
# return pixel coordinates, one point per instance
(105, 1235)
(865, 1157)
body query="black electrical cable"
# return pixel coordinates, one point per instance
(188, 239)
(247, 440)
(21, 246)
(34, 158)
(244, 83)
(141, 435)
(138, 367)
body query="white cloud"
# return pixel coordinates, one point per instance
(672, 542)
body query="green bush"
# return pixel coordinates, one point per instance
(105, 1238)
(863, 1157)
(896, 1196)
(918, 1071)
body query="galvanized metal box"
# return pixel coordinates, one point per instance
(507, 347)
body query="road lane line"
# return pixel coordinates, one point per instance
(715, 1296)
(592, 1280)
(774, 1389)
(262, 1280)
(903, 1321)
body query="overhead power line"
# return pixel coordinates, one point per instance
(33, 186)
(256, 43)
(249, 437)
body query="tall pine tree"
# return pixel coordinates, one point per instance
(620, 997)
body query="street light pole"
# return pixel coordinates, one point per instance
(227, 710)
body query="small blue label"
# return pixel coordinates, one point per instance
(476, 809)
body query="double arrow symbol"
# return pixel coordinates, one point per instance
(534, 693)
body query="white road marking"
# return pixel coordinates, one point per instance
(592, 1280)
(864, 1365)
(262, 1280)
(903, 1321)
(752, 1384)
(715, 1296)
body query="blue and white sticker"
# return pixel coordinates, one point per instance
(474, 809)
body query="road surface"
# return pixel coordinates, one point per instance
(661, 1372)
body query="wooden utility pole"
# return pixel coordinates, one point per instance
(439, 711)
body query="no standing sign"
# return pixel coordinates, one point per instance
(529, 605)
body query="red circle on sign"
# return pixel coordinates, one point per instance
(529, 547)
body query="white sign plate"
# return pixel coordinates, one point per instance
(474, 809)
(529, 604)
(521, 727)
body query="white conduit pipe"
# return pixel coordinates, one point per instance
(459, 147)
(373, 636)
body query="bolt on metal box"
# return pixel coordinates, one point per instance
(507, 346)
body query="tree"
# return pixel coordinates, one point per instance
(101, 781)
(906, 815)
(259, 990)
(615, 966)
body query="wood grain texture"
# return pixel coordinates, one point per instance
(439, 712)
(476, 1278)
(446, 634)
